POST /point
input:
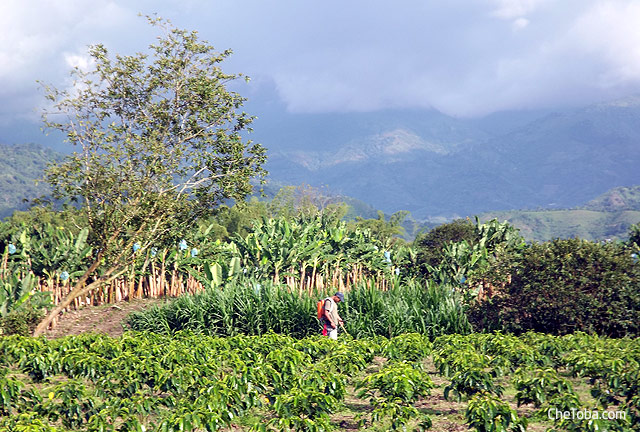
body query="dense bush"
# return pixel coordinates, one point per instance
(21, 321)
(564, 286)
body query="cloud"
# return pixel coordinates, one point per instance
(511, 9)
(464, 57)
(546, 54)
(610, 32)
(520, 23)
(37, 38)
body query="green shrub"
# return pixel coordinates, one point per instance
(429, 245)
(21, 321)
(564, 286)
(487, 413)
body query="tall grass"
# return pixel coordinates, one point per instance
(254, 308)
(421, 307)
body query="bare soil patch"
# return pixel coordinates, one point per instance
(108, 319)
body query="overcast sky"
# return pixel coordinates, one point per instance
(462, 57)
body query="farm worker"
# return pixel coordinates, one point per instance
(331, 318)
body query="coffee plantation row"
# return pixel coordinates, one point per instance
(189, 382)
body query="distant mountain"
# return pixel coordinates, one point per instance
(438, 166)
(20, 166)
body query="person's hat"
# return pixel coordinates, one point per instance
(340, 296)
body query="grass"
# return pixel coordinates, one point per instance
(253, 308)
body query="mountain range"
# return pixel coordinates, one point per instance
(440, 167)
(20, 167)
(436, 166)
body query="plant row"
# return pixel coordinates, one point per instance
(145, 381)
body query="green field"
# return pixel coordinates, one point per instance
(144, 381)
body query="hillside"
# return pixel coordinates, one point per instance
(608, 216)
(20, 166)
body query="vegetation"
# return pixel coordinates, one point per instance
(564, 286)
(187, 382)
(546, 225)
(160, 143)
(429, 245)
(20, 167)
(255, 308)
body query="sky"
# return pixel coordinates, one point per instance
(466, 58)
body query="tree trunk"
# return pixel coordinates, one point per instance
(78, 290)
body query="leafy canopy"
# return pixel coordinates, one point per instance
(160, 138)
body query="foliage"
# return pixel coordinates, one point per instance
(426, 308)
(429, 245)
(160, 143)
(189, 382)
(386, 231)
(487, 413)
(393, 391)
(564, 286)
(21, 165)
(593, 224)
(464, 260)
(310, 246)
(22, 320)
(246, 306)
(634, 237)
(542, 385)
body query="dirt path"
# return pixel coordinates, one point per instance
(108, 319)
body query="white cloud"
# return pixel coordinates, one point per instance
(610, 33)
(464, 57)
(35, 32)
(81, 61)
(520, 23)
(511, 9)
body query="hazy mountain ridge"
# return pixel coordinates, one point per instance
(617, 199)
(434, 165)
(439, 167)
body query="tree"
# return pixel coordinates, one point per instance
(387, 232)
(429, 246)
(563, 286)
(307, 201)
(161, 142)
(634, 236)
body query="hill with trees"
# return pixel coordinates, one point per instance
(607, 216)
(20, 167)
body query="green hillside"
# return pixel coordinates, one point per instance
(606, 217)
(20, 165)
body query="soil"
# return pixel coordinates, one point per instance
(108, 319)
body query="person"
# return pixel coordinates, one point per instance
(331, 317)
